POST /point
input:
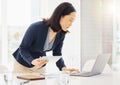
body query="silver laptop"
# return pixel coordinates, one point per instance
(97, 68)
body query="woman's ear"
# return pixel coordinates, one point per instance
(62, 17)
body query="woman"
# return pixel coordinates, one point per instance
(45, 36)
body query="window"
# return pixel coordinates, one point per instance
(18, 12)
(16, 16)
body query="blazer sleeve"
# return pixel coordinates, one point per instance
(57, 52)
(26, 44)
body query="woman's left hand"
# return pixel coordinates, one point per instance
(70, 70)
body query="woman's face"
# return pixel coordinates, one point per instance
(67, 20)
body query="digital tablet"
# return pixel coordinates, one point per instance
(51, 58)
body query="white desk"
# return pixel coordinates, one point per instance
(106, 78)
(112, 78)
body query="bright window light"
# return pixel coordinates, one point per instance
(109, 8)
(19, 12)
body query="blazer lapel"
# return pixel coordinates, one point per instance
(57, 39)
(43, 37)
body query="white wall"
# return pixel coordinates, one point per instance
(96, 28)
(107, 34)
(91, 29)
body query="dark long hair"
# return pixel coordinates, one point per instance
(63, 9)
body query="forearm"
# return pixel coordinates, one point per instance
(60, 64)
(25, 54)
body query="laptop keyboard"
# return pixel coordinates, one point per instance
(81, 74)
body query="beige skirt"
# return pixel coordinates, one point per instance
(18, 68)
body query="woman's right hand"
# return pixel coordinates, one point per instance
(39, 62)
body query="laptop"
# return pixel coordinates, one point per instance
(98, 67)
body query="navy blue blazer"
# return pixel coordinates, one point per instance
(32, 45)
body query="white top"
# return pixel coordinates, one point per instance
(48, 45)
